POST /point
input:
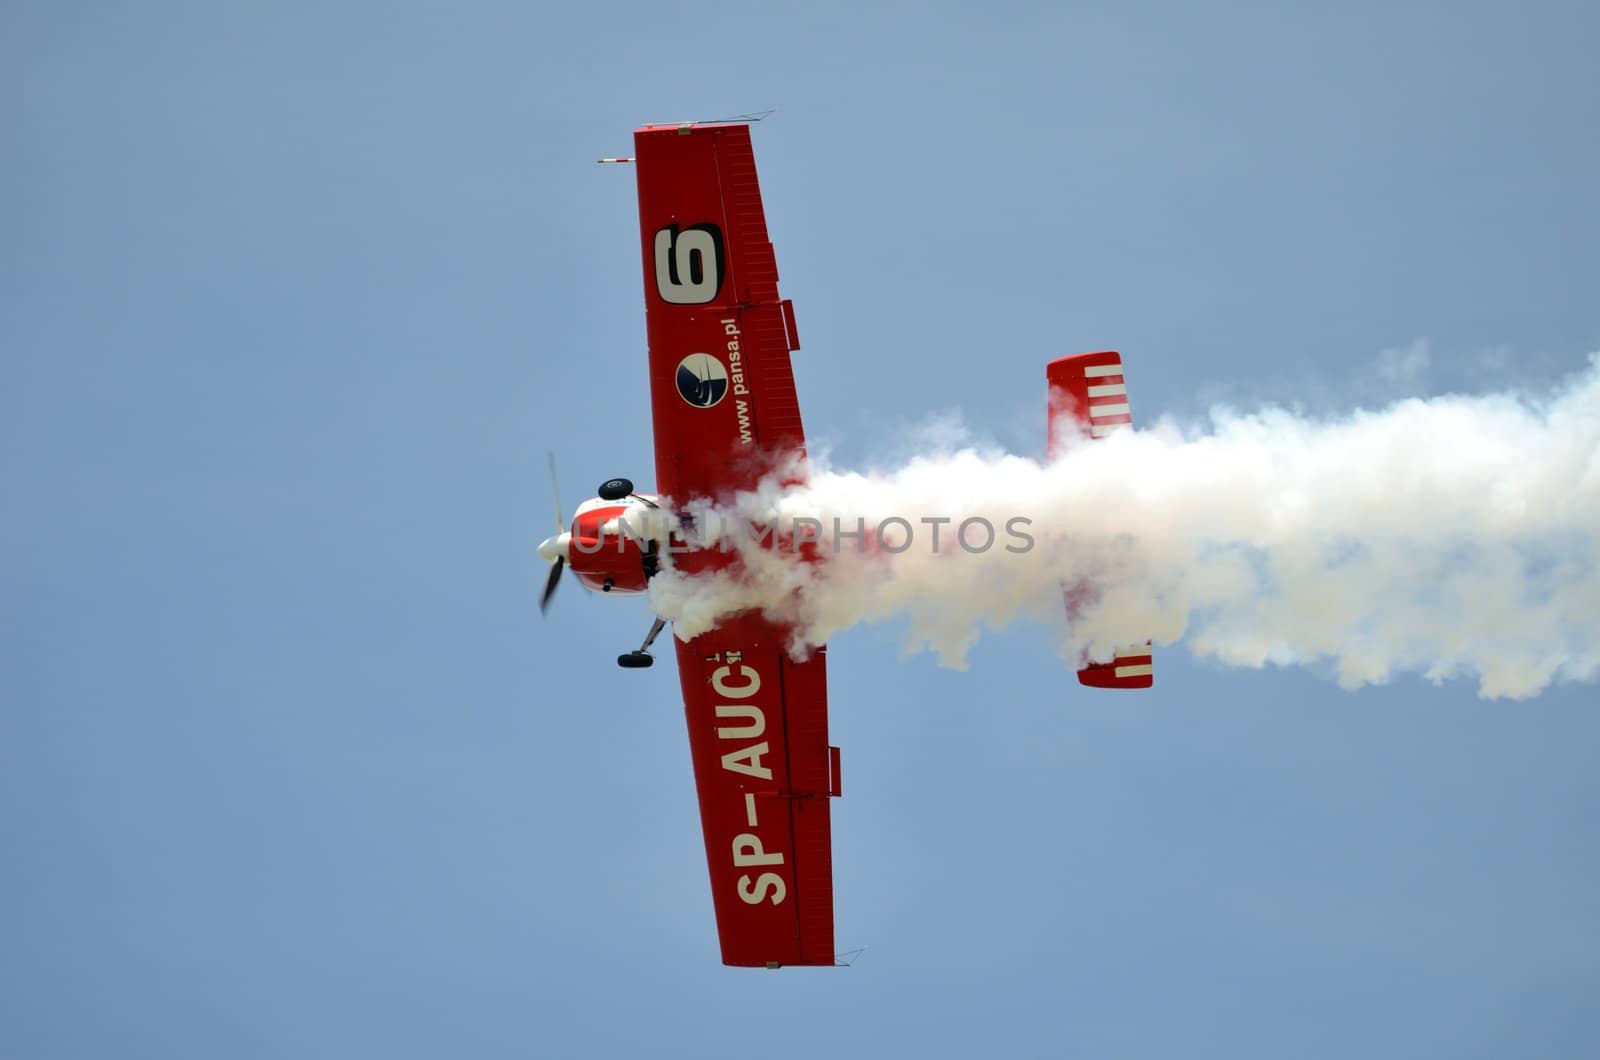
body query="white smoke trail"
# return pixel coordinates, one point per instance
(1447, 536)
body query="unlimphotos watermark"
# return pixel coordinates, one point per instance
(893, 535)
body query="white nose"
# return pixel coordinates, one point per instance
(558, 547)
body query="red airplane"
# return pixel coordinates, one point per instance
(725, 415)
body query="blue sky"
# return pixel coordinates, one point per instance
(298, 296)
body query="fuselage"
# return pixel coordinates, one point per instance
(609, 545)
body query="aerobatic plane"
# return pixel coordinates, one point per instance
(725, 415)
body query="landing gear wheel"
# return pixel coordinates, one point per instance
(614, 489)
(635, 660)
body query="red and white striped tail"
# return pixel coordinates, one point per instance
(1089, 399)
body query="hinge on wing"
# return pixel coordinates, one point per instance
(791, 329)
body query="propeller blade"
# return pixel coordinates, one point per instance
(551, 582)
(555, 491)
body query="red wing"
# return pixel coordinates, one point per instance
(721, 389)
(1089, 399)
(758, 733)
(725, 414)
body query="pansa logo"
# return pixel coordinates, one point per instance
(702, 380)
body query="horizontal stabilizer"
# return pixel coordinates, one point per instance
(1089, 399)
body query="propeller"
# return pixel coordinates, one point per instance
(553, 548)
(555, 492)
(551, 582)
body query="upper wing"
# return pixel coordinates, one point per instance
(758, 732)
(1089, 397)
(721, 389)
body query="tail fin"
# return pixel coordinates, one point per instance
(1089, 399)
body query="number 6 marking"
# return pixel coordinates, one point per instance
(689, 264)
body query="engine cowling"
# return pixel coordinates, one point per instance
(608, 548)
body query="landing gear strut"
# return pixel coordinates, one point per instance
(641, 658)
